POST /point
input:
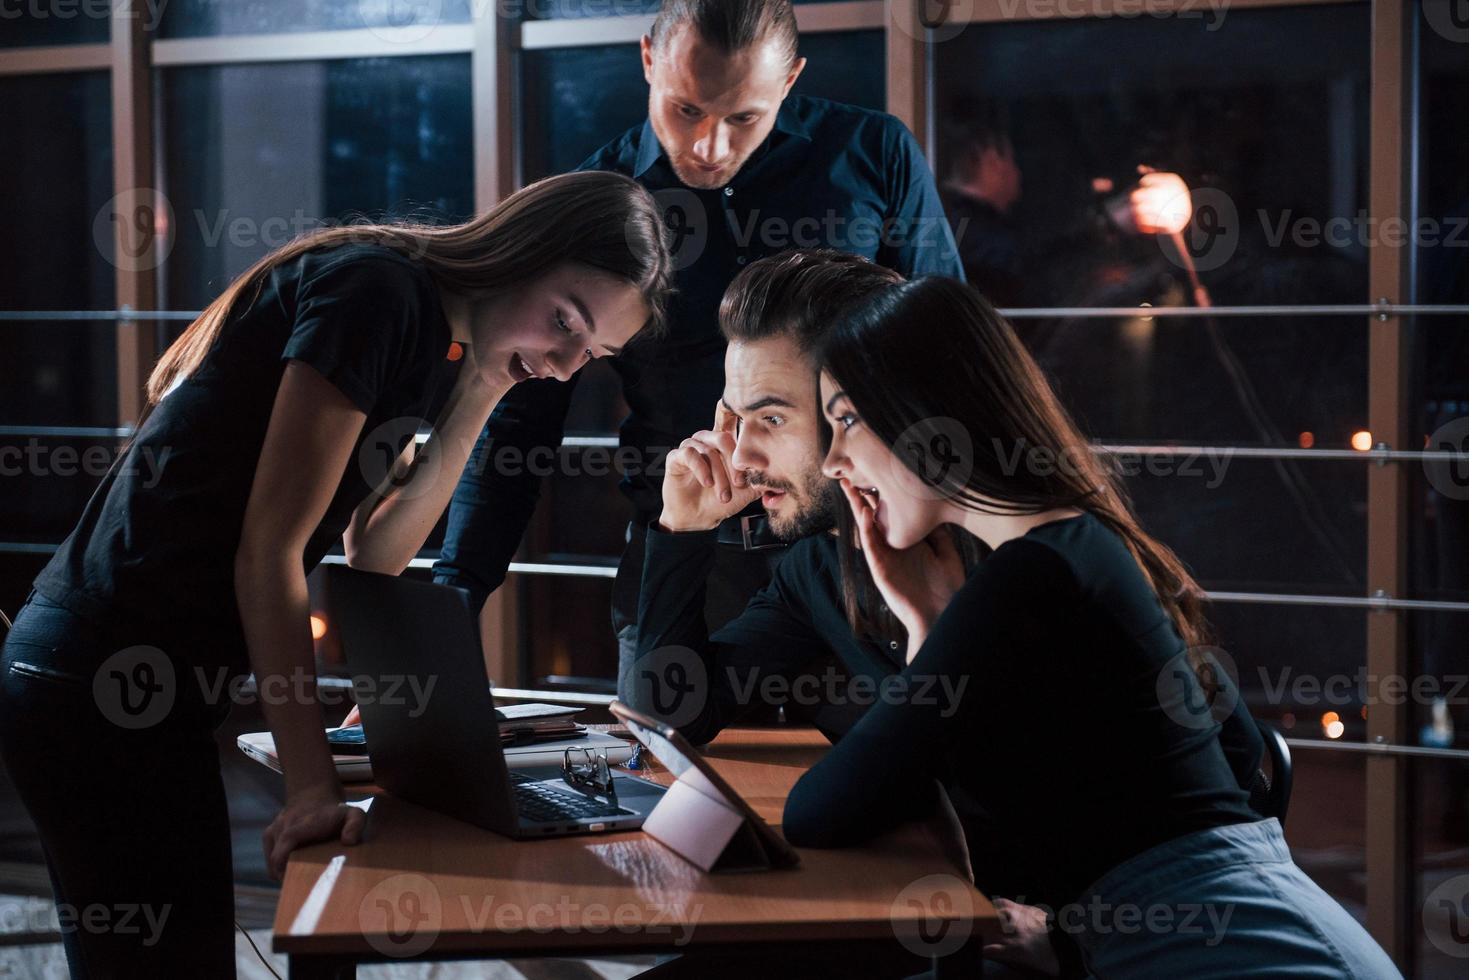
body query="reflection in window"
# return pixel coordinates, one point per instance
(255, 155)
(578, 99)
(213, 18)
(1262, 115)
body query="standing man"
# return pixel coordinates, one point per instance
(743, 170)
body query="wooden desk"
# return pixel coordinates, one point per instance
(428, 886)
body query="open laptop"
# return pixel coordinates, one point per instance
(414, 654)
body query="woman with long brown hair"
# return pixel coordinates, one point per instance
(1081, 747)
(281, 422)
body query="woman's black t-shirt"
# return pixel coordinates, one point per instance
(155, 548)
(1037, 701)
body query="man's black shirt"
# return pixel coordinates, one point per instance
(828, 175)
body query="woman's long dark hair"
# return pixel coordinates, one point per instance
(932, 357)
(605, 220)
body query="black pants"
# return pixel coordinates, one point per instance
(133, 820)
(736, 577)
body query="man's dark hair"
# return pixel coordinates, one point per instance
(798, 293)
(730, 25)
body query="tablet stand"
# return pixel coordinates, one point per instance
(694, 821)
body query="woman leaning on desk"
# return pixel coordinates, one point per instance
(1086, 776)
(280, 423)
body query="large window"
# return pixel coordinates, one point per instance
(1283, 384)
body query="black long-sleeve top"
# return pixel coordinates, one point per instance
(1061, 756)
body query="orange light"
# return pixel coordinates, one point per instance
(456, 350)
(1330, 718)
(318, 627)
(1364, 712)
(1361, 440)
(1335, 729)
(1307, 439)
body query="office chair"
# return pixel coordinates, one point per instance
(1270, 795)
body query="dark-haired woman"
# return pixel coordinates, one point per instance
(281, 422)
(1090, 780)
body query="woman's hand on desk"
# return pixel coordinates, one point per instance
(310, 817)
(917, 582)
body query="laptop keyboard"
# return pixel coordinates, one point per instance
(542, 804)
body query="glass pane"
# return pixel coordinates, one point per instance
(1256, 525)
(59, 372)
(59, 475)
(1299, 667)
(1326, 826)
(26, 24)
(255, 155)
(1439, 496)
(57, 235)
(1440, 822)
(579, 99)
(1262, 115)
(212, 18)
(566, 628)
(1297, 381)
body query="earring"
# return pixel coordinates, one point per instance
(589, 353)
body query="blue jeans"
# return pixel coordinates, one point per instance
(132, 820)
(1224, 903)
